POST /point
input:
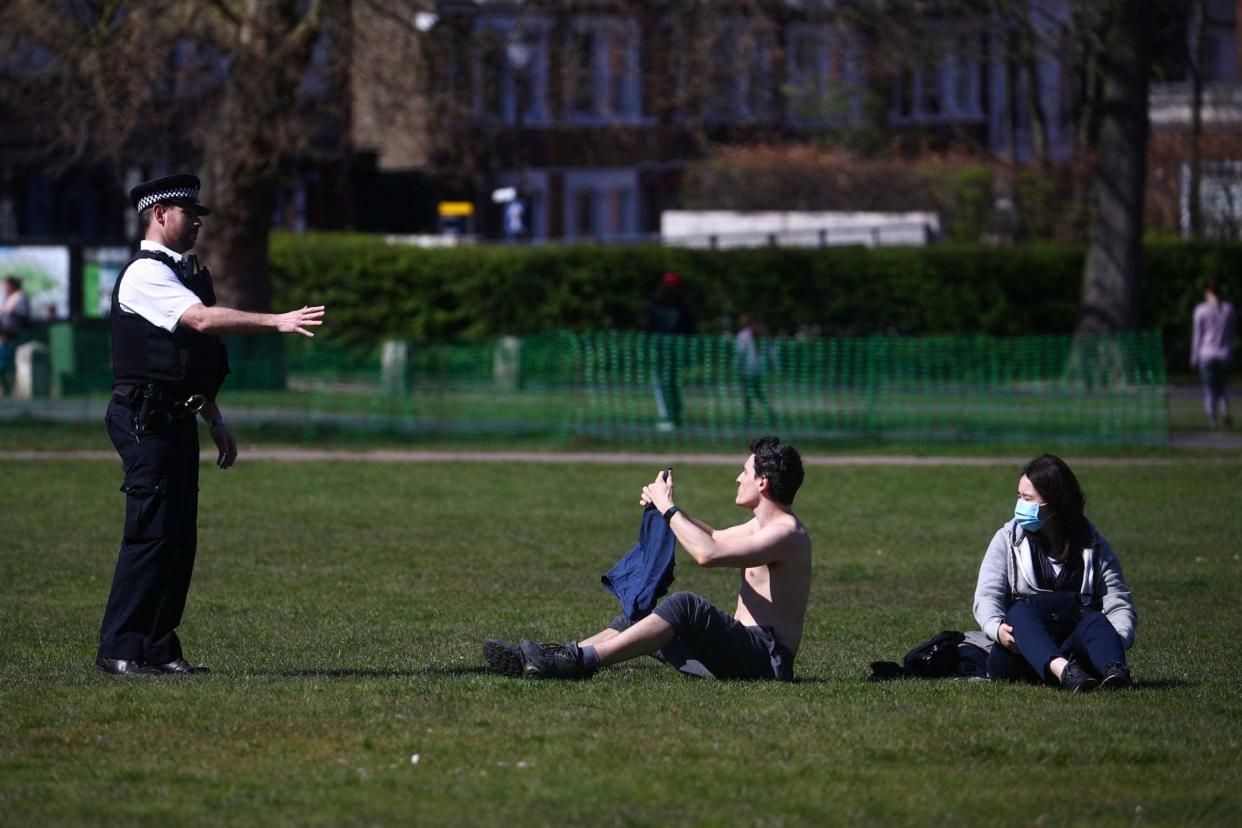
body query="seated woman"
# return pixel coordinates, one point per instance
(1051, 592)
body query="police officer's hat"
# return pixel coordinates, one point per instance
(180, 189)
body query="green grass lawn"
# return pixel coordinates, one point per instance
(25, 433)
(341, 607)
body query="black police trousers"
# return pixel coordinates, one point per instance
(161, 535)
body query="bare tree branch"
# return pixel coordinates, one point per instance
(227, 11)
(304, 32)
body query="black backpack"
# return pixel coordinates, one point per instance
(938, 657)
(935, 658)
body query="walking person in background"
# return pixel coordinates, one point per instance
(14, 320)
(1211, 348)
(750, 364)
(169, 363)
(668, 315)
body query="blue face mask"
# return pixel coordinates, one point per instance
(1027, 515)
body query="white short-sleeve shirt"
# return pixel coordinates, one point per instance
(151, 290)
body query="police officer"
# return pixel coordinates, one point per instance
(169, 363)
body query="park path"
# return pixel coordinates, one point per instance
(314, 455)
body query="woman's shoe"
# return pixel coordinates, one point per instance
(1116, 677)
(1077, 680)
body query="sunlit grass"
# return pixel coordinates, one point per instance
(341, 607)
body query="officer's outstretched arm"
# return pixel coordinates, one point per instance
(218, 320)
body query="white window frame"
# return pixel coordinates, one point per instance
(920, 80)
(828, 42)
(601, 183)
(609, 33)
(759, 67)
(964, 58)
(1220, 44)
(941, 74)
(534, 32)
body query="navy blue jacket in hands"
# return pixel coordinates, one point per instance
(643, 575)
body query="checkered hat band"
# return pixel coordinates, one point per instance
(183, 193)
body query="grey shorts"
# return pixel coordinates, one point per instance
(710, 643)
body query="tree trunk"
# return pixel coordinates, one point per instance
(1012, 79)
(236, 233)
(244, 149)
(1114, 257)
(1084, 63)
(1029, 46)
(1198, 25)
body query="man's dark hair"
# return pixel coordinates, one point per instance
(13, 282)
(780, 464)
(144, 219)
(1059, 488)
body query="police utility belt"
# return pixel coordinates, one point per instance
(154, 407)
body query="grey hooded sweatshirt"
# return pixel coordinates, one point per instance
(1008, 571)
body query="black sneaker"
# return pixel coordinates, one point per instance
(1116, 677)
(553, 661)
(503, 658)
(1077, 680)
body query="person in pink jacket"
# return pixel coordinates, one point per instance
(1211, 348)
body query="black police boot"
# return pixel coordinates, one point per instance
(180, 665)
(124, 667)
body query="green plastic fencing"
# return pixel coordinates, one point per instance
(633, 387)
(1107, 390)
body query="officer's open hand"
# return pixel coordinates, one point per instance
(299, 320)
(226, 444)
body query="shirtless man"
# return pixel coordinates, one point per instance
(761, 638)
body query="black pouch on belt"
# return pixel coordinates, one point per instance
(152, 409)
(144, 397)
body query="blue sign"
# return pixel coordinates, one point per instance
(515, 218)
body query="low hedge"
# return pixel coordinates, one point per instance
(376, 290)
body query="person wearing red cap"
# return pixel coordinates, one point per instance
(668, 317)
